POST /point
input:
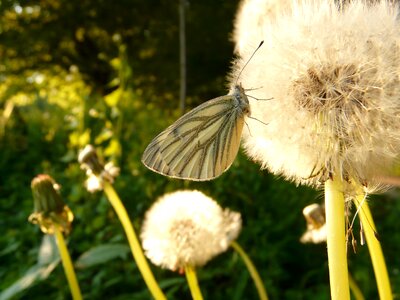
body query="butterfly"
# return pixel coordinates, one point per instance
(203, 143)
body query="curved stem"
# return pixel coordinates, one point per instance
(252, 270)
(67, 264)
(193, 283)
(355, 289)
(375, 249)
(336, 240)
(133, 242)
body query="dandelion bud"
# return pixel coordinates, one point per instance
(89, 160)
(187, 228)
(333, 73)
(95, 170)
(49, 208)
(316, 228)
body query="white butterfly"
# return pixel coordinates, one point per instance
(204, 142)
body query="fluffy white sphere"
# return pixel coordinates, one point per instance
(333, 73)
(187, 228)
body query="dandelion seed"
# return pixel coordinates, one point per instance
(187, 228)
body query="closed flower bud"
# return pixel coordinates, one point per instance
(95, 170)
(90, 161)
(316, 227)
(49, 208)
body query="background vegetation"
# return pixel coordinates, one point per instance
(107, 73)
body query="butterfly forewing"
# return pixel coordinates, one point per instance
(203, 143)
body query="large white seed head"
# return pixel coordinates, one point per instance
(333, 73)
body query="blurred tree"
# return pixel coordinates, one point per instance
(86, 34)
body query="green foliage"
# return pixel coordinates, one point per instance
(106, 73)
(48, 259)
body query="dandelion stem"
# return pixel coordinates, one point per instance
(133, 242)
(375, 250)
(252, 270)
(193, 283)
(336, 241)
(355, 289)
(67, 264)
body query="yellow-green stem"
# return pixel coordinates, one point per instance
(336, 240)
(355, 289)
(193, 283)
(133, 242)
(375, 250)
(262, 293)
(67, 264)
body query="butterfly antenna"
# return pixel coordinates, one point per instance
(240, 73)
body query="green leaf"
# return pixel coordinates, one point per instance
(48, 259)
(34, 274)
(102, 254)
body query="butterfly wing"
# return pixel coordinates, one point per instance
(201, 145)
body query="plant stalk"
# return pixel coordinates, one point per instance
(336, 240)
(262, 293)
(133, 242)
(193, 283)
(67, 264)
(375, 249)
(355, 289)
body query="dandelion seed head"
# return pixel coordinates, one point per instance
(249, 16)
(334, 78)
(187, 228)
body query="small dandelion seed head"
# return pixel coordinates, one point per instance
(49, 208)
(187, 228)
(333, 75)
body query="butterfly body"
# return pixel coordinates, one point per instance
(204, 142)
